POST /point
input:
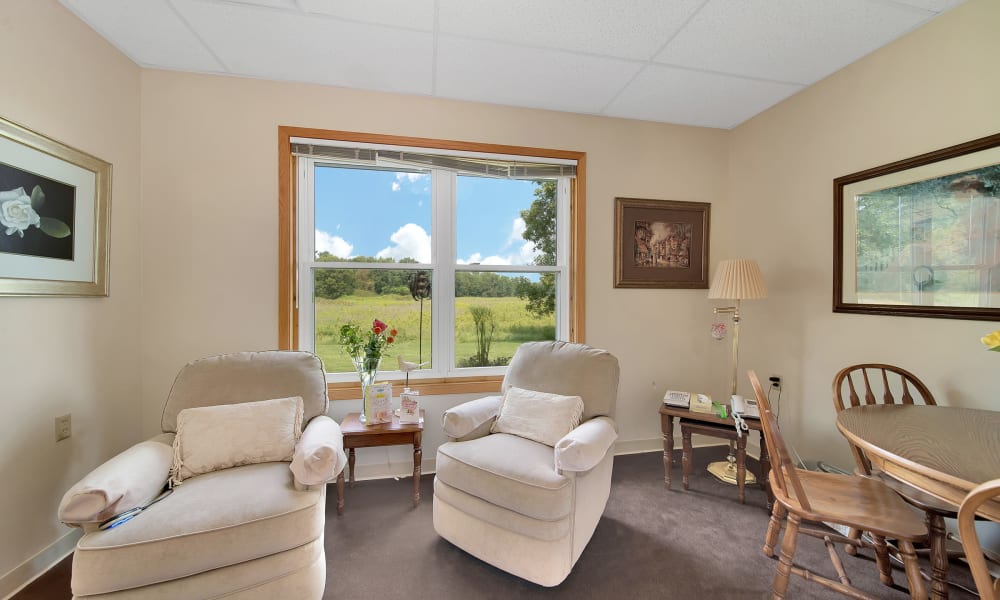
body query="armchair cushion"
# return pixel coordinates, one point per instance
(126, 481)
(538, 416)
(508, 471)
(583, 448)
(211, 438)
(460, 421)
(319, 455)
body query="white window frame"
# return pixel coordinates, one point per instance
(443, 267)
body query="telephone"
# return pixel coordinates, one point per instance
(745, 407)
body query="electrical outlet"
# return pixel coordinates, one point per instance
(775, 381)
(64, 427)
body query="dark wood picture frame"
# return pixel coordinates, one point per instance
(968, 172)
(661, 244)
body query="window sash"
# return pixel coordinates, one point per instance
(443, 267)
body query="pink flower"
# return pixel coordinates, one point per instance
(378, 326)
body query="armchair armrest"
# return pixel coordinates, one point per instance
(319, 455)
(583, 448)
(130, 479)
(472, 419)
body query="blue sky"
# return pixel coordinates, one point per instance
(364, 212)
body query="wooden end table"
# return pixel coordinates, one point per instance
(669, 413)
(359, 435)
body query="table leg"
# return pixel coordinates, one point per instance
(350, 464)
(937, 536)
(685, 456)
(340, 493)
(668, 447)
(417, 457)
(741, 467)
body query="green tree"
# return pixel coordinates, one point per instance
(485, 323)
(540, 229)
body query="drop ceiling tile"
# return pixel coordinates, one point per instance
(798, 41)
(415, 14)
(150, 33)
(695, 98)
(634, 29)
(934, 5)
(284, 46)
(497, 73)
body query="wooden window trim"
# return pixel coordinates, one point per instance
(288, 313)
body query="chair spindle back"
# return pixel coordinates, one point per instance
(989, 588)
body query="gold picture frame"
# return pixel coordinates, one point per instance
(55, 205)
(661, 244)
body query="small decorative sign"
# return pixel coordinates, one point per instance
(409, 406)
(380, 404)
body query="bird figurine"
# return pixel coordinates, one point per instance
(406, 366)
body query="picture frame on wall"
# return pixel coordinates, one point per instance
(55, 204)
(920, 237)
(661, 243)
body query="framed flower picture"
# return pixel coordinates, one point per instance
(661, 243)
(54, 217)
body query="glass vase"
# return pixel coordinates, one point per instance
(367, 369)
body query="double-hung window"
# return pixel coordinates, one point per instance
(467, 252)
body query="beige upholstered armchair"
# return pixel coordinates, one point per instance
(245, 517)
(525, 506)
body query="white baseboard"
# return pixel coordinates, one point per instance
(23, 574)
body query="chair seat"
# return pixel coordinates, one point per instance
(858, 502)
(210, 521)
(509, 471)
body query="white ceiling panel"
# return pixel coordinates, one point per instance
(502, 74)
(696, 98)
(634, 29)
(416, 14)
(798, 41)
(280, 45)
(932, 5)
(286, 4)
(149, 32)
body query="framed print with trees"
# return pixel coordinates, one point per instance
(921, 237)
(661, 244)
(54, 217)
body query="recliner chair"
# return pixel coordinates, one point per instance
(252, 531)
(518, 504)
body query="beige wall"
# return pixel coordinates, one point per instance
(77, 355)
(210, 237)
(931, 89)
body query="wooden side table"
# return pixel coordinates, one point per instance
(359, 435)
(669, 413)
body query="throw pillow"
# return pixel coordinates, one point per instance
(538, 416)
(212, 438)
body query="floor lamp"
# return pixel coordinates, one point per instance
(738, 279)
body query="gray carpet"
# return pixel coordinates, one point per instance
(651, 543)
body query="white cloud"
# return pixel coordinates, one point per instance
(410, 179)
(522, 252)
(334, 244)
(409, 241)
(395, 186)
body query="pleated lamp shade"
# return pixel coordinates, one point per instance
(738, 279)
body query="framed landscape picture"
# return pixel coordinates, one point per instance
(661, 243)
(54, 217)
(921, 237)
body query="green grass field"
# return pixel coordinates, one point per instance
(514, 327)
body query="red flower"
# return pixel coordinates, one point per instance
(393, 332)
(378, 326)
(390, 340)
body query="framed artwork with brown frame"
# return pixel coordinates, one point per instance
(661, 243)
(920, 237)
(55, 204)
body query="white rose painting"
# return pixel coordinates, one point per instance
(39, 222)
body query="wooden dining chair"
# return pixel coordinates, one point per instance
(861, 503)
(877, 383)
(989, 588)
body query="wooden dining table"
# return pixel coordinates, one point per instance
(945, 451)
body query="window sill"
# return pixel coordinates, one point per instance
(427, 387)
